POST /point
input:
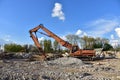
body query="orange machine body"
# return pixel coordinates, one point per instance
(74, 49)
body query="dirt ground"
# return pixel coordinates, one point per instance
(109, 68)
(60, 69)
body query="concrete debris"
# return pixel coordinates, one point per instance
(66, 68)
(118, 55)
(66, 61)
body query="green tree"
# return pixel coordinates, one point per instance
(30, 48)
(98, 45)
(73, 39)
(117, 48)
(107, 47)
(13, 48)
(42, 44)
(26, 48)
(48, 46)
(33, 48)
(99, 42)
(88, 41)
(56, 46)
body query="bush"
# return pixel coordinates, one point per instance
(13, 48)
(107, 47)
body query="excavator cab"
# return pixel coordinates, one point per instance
(75, 48)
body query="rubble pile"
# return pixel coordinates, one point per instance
(13, 55)
(66, 61)
(66, 68)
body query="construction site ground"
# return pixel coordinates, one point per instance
(65, 68)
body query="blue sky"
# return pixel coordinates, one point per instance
(97, 18)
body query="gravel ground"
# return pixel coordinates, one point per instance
(65, 68)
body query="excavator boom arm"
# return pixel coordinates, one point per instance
(35, 39)
(51, 34)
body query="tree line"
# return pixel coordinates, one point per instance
(85, 42)
(47, 45)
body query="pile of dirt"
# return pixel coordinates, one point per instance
(66, 61)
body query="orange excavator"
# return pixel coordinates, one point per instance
(75, 51)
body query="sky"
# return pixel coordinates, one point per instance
(96, 18)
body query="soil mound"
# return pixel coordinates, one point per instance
(64, 61)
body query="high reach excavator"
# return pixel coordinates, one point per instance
(75, 51)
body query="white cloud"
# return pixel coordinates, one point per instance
(64, 38)
(112, 36)
(114, 42)
(41, 39)
(102, 26)
(7, 36)
(117, 31)
(6, 39)
(80, 33)
(57, 11)
(85, 34)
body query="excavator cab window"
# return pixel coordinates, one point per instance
(74, 48)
